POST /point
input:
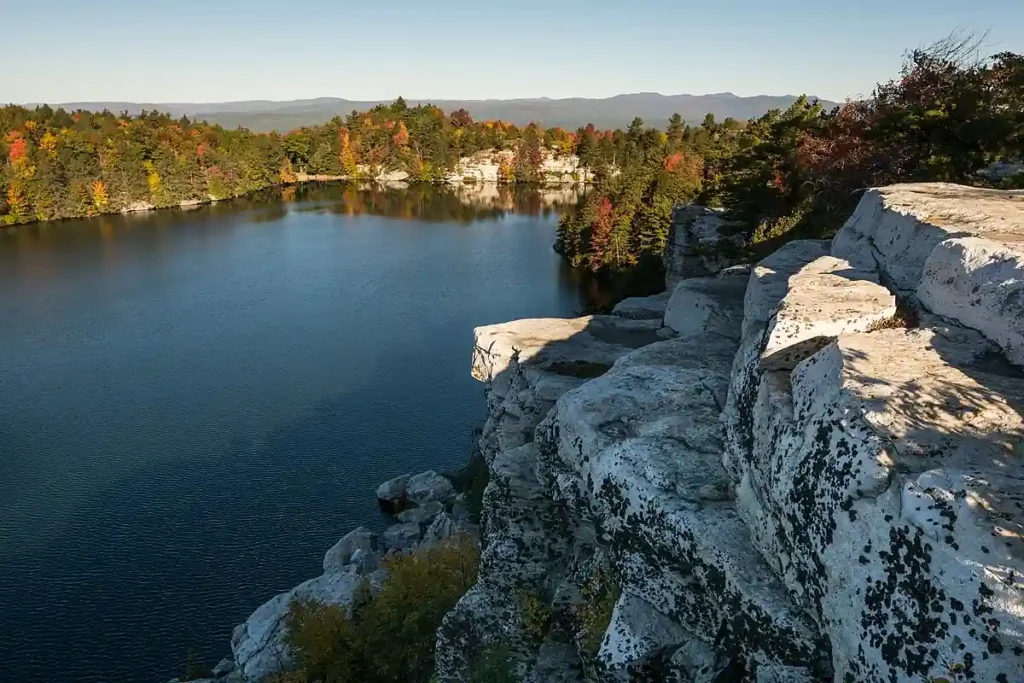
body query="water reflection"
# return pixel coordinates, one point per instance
(462, 203)
(41, 245)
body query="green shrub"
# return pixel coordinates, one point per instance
(536, 613)
(594, 612)
(388, 638)
(494, 666)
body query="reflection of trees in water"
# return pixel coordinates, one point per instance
(599, 292)
(464, 203)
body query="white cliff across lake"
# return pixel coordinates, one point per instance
(800, 485)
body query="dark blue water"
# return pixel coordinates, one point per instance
(195, 406)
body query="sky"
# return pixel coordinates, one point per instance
(225, 50)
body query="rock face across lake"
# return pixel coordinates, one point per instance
(791, 480)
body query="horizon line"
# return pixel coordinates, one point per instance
(542, 98)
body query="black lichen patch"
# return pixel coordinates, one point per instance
(904, 614)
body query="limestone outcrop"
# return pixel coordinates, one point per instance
(804, 470)
(486, 167)
(700, 242)
(957, 250)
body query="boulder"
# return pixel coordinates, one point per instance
(769, 280)
(528, 364)
(956, 250)
(636, 631)
(258, 644)
(340, 554)
(392, 494)
(442, 527)
(643, 307)
(364, 561)
(400, 537)
(979, 283)
(223, 668)
(422, 514)
(826, 298)
(429, 487)
(392, 177)
(708, 304)
(700, 242)
(576, 348)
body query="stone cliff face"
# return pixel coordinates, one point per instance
(803, 470)
(485, 167)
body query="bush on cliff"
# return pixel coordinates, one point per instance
(948, 115)
(799, 172)
(388, 638)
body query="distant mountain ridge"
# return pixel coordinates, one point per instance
(608, 112)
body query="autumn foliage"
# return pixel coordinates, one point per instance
(99, 195)
(154, 160)
(799, 172)
(16, 151)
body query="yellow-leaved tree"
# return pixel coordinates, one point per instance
(99, 195)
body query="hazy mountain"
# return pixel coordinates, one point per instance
(610, 112)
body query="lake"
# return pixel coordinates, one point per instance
(197, 404)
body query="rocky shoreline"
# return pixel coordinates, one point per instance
(426, 509)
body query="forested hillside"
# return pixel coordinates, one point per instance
(789, 172)
(59, 164)
(798, 172)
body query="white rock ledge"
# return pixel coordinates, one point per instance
(795, 487)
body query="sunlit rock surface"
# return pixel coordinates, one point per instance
(808, 470)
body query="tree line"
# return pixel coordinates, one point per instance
(58, 164)
(799, 172)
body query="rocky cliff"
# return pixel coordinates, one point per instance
(486, 168)
(807, 469)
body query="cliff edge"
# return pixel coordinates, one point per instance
(803, 470)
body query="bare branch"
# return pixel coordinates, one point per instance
(961, 48)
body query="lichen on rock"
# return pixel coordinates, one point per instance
(789, 482)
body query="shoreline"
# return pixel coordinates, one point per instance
(301, 179)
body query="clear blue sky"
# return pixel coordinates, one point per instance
(218, 50)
